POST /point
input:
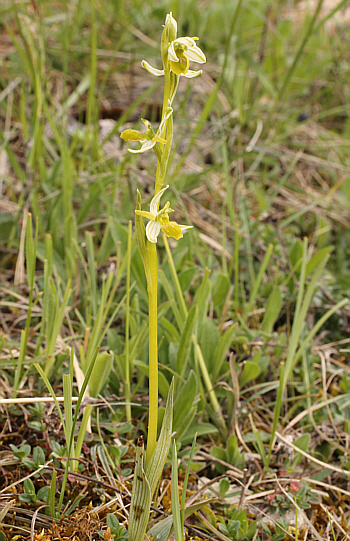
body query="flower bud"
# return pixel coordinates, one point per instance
(169, 35)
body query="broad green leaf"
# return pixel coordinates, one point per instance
(251, 371)
(272, 310)
(209, 339)
(29, 487)
(184, 401)
(199, 429)
(100, 373)
(220, 288)
(186, 277)
(303, 444)
(185, 423)
(202, 297)
(221, 350)
(185, 341)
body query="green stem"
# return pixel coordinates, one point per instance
(210, 389)
(170, 86)
(127, 320)
(153, 350)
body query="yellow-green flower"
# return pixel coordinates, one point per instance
(159, 220)
(180, 52)
(148, 138)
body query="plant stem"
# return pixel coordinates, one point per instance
(127, 324)
(153, 351)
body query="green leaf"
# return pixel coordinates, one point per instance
(186, 277)
(100, 373)
(251, 371)
(43, 493)
(303, 444)
(209, 340)
(220, 288)
(272, 310)
(29, 487)
(185, 342)
(224, 485)
(317, 259)
(184, 401)
(38, 456)
(201, 429)
(221, 350)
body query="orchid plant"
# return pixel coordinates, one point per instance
(177, 53)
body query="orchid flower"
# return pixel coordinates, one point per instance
(148, 138)
(180, 52)
(159, 220)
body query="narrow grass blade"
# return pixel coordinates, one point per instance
(184, 488)
(257, 282)
(52, 494)
(276, 416)
(175, 497)
(258, 440)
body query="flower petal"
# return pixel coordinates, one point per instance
(192, 74)
(152, 231)
(155, 201)
(150, 69)
(195, 54)
(171, 53)
(145, 214)
(188, 42)
(146, 145)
